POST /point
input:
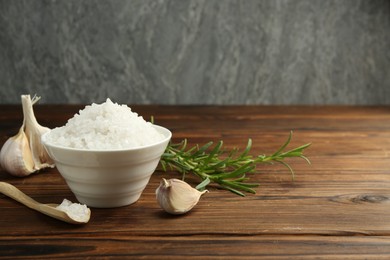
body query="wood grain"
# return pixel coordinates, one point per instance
(336, 208)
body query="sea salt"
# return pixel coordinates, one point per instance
(105, 126)
(76, 211)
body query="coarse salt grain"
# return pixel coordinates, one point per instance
(76, 211)
(105, 126)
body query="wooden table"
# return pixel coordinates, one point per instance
(337, 208)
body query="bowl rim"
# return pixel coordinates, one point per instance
(167, 134)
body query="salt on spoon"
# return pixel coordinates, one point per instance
(78, 212)
(67, 211)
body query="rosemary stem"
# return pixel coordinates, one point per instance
(228, 170)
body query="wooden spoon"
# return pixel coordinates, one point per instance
(47, 209)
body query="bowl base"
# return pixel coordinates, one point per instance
(108, 203)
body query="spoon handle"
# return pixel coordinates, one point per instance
(13, 192)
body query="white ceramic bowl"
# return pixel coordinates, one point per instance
(107, 178)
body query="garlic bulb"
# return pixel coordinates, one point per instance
(176, 196)
(24, 153)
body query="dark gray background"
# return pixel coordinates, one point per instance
(196, 52)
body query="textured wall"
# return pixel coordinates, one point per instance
(196, 52)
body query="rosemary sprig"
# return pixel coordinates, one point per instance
(226, 169)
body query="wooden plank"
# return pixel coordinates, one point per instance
(126, 246)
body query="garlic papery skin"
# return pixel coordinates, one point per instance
(176, 196)
(15, 155)
(34, 131)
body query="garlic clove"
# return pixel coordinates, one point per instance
(176, 196)
(40, 157)
(15, 155)
(34, 131)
